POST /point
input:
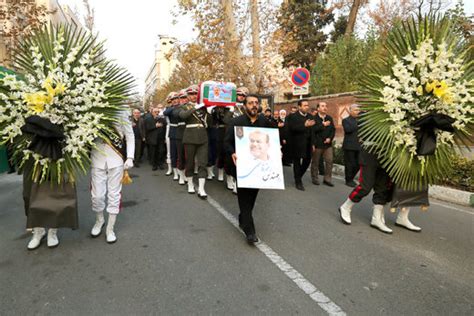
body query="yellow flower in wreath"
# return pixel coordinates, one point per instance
(440, 89)
(36, 101)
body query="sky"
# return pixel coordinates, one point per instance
(131, 29)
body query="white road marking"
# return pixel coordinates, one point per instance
(431, 202)
(312, 291)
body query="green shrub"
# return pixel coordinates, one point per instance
(462, 174)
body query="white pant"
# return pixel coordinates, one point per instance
(106, 182)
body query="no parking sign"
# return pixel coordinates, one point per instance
(300, 76)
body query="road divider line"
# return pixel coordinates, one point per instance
(306, 286)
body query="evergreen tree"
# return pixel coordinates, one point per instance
(302, 23)
(340, 26)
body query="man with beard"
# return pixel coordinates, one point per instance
(195, 140)
(246, 197)
(299, 130)
(155, 131)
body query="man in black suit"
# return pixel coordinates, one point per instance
(323, 134)
(351, 145)
(299, 130)
(245, 196)
(155, 135)
(284, 135)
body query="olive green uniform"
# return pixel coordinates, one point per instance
(195, 138)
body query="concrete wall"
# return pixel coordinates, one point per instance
(338, 105)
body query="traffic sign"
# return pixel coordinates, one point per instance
(300, 76)
(303, 90)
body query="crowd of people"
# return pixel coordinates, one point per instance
(190, 140)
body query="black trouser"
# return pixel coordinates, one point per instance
(138, 150)
(173, 152)
(372, 176)
(246, 198)
(161, 154)
(212, 146)
(351, 164)
(197, 152)
(157, 153)
(181, 154)
(300, 165)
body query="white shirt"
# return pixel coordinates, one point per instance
(104, 156)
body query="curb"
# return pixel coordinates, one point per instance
(435, 191)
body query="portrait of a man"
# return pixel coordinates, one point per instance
(260, 166)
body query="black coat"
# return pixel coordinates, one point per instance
(321, 132)
(351, 139)
(299, 136)
(155, 134)
(136, 125)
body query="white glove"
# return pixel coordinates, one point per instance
(128, 164)
(210, 108)
(231, 108)
(197, 106)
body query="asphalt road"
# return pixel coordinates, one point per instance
(178, 255)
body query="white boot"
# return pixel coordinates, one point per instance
(190, 185)
(201, 193)
(175, 174)
(182, 177)
(234, 190)
(170, 170)
(53, 240)
(109, 231)
(378, 219)
(220, 174)
(404, 221)
(99, 223)
(210, 173)
(196, 167)
(345, 211)
(38, 235)
(230, 182)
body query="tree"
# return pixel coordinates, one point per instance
(464, 24)
(302, 23)
(389, 12)
(340, 26)
(340, 67)
(17, 19)
(89, 18)
(352, 17)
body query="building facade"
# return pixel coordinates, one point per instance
(164, 62)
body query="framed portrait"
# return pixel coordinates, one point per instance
(259, 164)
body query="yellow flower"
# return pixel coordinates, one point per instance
(419, 90)
(447, 98)
(440, 89)
(430, 86)
(48, 85)
(36, 101)
(60, 88)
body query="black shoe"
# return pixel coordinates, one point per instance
(299, 186)
(154, 168)
(162, 167)
(315, 182)
(11, 171)
(351, 184)
(287, 164)
(251, 238)
(329, 184)
(202, 197)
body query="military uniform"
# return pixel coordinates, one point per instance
(195, 140)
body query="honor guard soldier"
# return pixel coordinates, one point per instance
(173, 98)
(181, 163)
(195, 139)
(108, 163)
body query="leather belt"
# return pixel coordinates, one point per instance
(194, 125)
